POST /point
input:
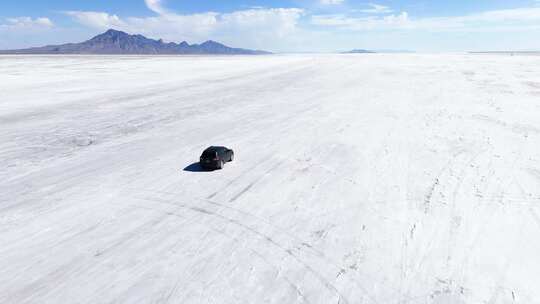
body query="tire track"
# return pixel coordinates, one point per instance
(294, 286)
(256, 180)
(453, 225)
(234, 180)
(535, 174)
(303, 247)
(263, 236)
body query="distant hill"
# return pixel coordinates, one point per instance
(358, 51)
(118, 42)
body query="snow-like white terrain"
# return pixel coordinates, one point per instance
(357, 179)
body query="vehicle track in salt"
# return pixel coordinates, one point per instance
(257, 232)
(449, 180)
(534, 173)
(298, 249)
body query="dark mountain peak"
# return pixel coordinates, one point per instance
(111, 33)
(212, 46)
(114, 32)
(211, 43)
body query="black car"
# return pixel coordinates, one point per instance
(216, 157)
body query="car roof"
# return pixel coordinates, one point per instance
(214, 148)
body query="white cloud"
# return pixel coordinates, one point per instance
(19, 32)
(27, 23)
(495, 20)
(331, 2)
(362, 23)
(517, 14)
(97, 20)
(156, 6)
(376, 9)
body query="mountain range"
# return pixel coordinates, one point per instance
(118, 42)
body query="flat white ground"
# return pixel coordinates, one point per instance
(357, 179)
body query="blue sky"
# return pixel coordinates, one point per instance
(283, 25)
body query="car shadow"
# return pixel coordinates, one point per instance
(195, 167)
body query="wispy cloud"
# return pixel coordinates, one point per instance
(515, 18)
(345, 22)
(27, 23)
(156, 6)
(331, 2)
(18, 32)
(376, 9)
(99, 20)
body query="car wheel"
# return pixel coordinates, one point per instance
(232, 157)
(220, 165)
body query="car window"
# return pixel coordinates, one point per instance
(209, 154)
